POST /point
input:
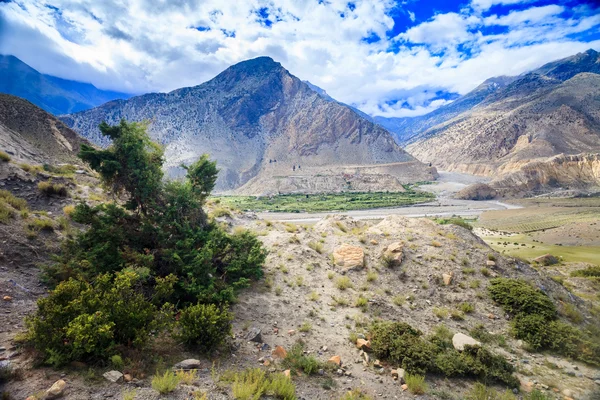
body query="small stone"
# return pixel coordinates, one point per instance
(287, 373)
(404, 387)
(188, 364)
(490, 263)
(7, 298)
(291, 332)
(377, 364)
(279, 352)
(394, 253)
(447, 278)
(56, 390)
(127, 377)
(324, 348)
(337, 360)
(374, 242)
(113, 376)
(254, 335)
(266, 363)
(459, 340)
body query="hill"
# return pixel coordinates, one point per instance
(55, 95)
(31, 135)
(266, 128)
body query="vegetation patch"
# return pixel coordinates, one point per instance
(253, 383)
(53, 189)
(326, 202)
(455, 221)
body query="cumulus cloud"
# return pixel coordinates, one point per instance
(357, 50)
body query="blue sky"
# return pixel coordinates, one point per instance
(390, 58)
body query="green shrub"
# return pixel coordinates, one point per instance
(517, 296)
(355, 394)
(454, 221)
(81, 321)
(204, 326)
(467, 308)
(416, 384)
(117, 362)
(296, 360)
(15, 202)
(587, 272)
(343, 283)
(53, 189)
(165, 383)
(252, 383)
(482, 392)
(4, 157)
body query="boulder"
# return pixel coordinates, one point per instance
(113, 376)
(398, 375)
(363, 344)
(188, 364)
(395, 253)
(349, 257)
(254, 335)
(56, 390)
(447, 278)
(477, 191)
(546, 259)
(459, 341)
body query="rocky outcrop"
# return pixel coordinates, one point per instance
(349, 257)
(477, 191)
(258, 121)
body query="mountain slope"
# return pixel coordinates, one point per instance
(259, 122)
(55, 95)
(550, 111)
(31, 135)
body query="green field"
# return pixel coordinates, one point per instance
(531, 250)
(325, 202)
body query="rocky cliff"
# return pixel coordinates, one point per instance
(258, 121)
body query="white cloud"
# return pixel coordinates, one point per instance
(151, 45)
(487, 4)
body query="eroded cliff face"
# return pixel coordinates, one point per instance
(581, 171)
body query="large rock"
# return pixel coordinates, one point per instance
(254, 335)
(349, 257)
(394, 253)
(459, 341)
(188, 364)
(546, 259)
(113, 376)
(478, 191)
(56, 390)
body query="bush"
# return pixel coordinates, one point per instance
(517, 296)
(117, 362)
(4, 157)
(83, 321)
(589, 272)
(455, 221)
(53, 189)
(165, 383)
(15, 202)
(253, 383)
(204, 326)
(416, 384)
(343, 283)
(356, 394)
(296, 360)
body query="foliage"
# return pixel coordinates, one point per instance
(4, 157)
(355, 394)
(535, 321)
(587, 272)
(204, 326)
(117, 362)
(252, 383)
(404, 345)
(53, 189)
(296, 360)
(416, 384)
(165, 383)
(186, 377)
(80, 321)
(455, 221)
(15, 202)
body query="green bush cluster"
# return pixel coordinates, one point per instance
(160, 241)
(590, 272)
(296, 360)
(53, 189)
(454, 221)
(255, 383)
(406, 346)
(535, 320)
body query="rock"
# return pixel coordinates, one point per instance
(477, 191)
(377, 364)
(349, 257)
(56, 390)
(404, 387)
(113, 376)
(459, 340)
(374, 242)
(7, 298)
(287, 373)
(597, 381)
(254, 335)
(188, 364)
(398, 374)
(447, 278)
(363, 344)
(567, 392)
(127, 377)
(394, 253)
(337, 360)
(490, 263)
(291, 332)
(279, 352)
(546, 259)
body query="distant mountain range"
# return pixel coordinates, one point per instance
(55, 95)
(268, 130)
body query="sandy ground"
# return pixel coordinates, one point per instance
(448, 184)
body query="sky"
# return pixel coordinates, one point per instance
(388, 58)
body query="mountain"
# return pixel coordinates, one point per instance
(55, 95)
(31, 135)
(263, 125)
(550, 111)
